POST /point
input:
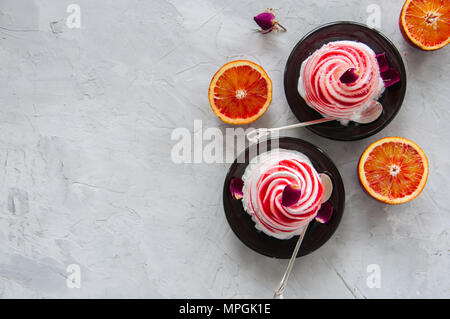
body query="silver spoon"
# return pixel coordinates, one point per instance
(254, 136)
(279, 292)
(327, 186)
(328, 189)
(370, 115)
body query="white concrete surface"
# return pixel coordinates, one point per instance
(86, 176)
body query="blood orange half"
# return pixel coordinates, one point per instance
(240, 92)
(426, 23)
(393, 170)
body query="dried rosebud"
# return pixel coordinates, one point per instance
(325, 212)
(267, 22)
(291, 195)
(349, 76)
(389, 75)
(236, 187)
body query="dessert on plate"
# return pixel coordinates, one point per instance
(291, 189)
(341, 79)
(282, 192)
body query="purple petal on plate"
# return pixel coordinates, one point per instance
(236, 187)
(291, 195)
(325, 212)
(382, 61)
(390, 77)
(265, 20)
(349, 76)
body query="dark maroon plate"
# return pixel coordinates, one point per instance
(316, 235)
(391, 99)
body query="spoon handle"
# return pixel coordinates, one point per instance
(255, 135)
(279, 292)
(303, 124)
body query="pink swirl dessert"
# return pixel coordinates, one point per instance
(264, 182)
(321, 86)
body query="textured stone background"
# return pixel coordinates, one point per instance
(85, 170)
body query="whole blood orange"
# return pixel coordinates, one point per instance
(426, 23)
(240, 92)
(393, 170)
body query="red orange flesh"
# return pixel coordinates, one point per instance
(240, 92)
(426, 23)
(393, 170)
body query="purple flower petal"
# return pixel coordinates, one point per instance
(349, 76)
(390, 77)
(382, 62)
(291, 195)
(325, 212)
(236, 186)
(265, 20)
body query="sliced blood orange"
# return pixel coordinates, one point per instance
(393, 170)
(240, 92)
(426, 23)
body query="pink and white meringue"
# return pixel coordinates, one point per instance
(265, 180)
(321, 86)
